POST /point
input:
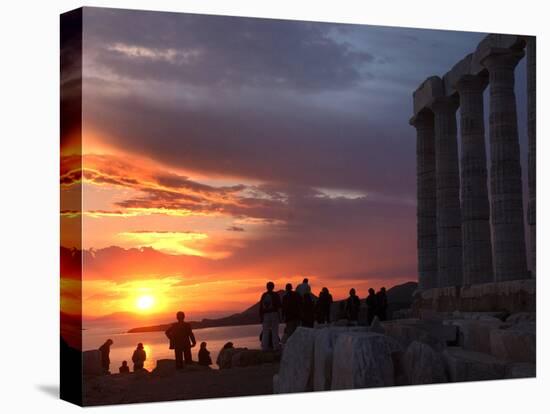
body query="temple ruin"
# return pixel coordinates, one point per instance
(470, 218)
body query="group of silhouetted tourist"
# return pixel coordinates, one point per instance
(181, 340)
(300, 308)
(138, 358)
(377, 305)
(296, 308)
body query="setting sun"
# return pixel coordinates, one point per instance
(145, 302)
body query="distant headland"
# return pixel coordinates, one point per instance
(399, 297)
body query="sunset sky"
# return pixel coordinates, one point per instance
(221, 152)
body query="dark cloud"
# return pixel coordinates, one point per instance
(308, 146)
(235, 228)
(301, 108)
(224, 51)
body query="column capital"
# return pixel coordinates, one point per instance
(497, 58)
(471, 83)
(422, 120)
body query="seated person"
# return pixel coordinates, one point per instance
(124, 368)
(204, 355)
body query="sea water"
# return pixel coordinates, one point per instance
(156, 343)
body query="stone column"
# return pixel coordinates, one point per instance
(506, 187)
(449, 229)
(532, 156)
(477, 251)
(426, 204)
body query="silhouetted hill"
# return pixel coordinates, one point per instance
(402, 293)
(249, 316)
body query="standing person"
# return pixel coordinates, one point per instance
(105, 350)
(291, 310)
(352, 307)
(270, 306)
(372, 306)
(324, 304)
(308, 311)
(204, 355)
(382, 304)
(181, 340)
(139, 357)
(303, 287)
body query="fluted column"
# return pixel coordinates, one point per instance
(449, 233)
(426, 203)
(477, 252)
(532, 155)
(506, 191)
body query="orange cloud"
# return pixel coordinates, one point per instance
(171, 242)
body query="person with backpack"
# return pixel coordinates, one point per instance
(270, 306)
(303, 287)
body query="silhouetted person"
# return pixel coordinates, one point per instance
(323, 306)
(303, 287)
(341, 311)
(124, 368)
(353, 304)
(181, 340)
(139, 357)
(269, 341)
(204, 355)
(228, 345)
(291, 310)
(308, 311)
(381, 304)
(105, 350)
(372, 306)
(270, 306)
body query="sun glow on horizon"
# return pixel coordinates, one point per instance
(145, 302)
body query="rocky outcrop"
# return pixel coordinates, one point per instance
(296, 369)
(244, 357)
(91, 362)
(521, 370)
(363, 360)
(423, 365)
(462, 365)
(225, 357)
(325, 340)
(167, 367)
(517, 343)
(249, 357)
(376, 326)
(522, 317)
(433, 333)
(474, 335)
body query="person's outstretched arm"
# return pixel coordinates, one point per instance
(168, 332)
